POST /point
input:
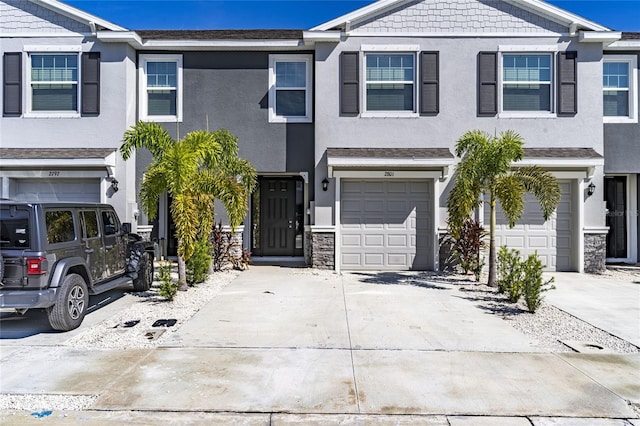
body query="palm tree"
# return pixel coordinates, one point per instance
(485, 171)
(194, 171)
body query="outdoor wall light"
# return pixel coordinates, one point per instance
(325, 184)
(591, 189)
(114, 185)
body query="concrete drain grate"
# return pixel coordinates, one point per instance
(153, 334)
(586, 347)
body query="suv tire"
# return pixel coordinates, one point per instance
(71, 304)
(145, 274)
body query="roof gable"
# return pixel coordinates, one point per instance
(48, 16)
(428, 16)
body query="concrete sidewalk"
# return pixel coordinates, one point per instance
(294, 346)
(611, 305)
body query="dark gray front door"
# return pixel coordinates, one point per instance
(278, 217)
(616, 198)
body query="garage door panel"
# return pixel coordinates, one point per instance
(78, 190)
(351, 240)
(374, 240)
(400, 214)
(551, 239)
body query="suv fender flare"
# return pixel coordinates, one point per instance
(62, 267)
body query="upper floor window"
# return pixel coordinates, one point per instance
(526, 82)
(390, 82)
(290, 98)
(161, 87)
(54, 82)
(619, 87)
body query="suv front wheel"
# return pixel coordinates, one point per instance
(145, 275)
(71, 304)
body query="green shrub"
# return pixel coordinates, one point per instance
(198, 263)
(467, 245)
(168, 288)
(510, 273)
(533, 284)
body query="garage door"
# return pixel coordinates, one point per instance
(79, 190)
(551, 239)
(386, 224)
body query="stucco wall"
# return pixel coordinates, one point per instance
(458, 109)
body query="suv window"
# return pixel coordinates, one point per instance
(89, 221)
(110, 222)
(60, 227)
(14, 228)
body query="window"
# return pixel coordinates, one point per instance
(290, 88)
(60, 227)
(14, 229)
(390, 81)
(619, 88)
(90, 227)
(54, 82)
(110, 223)
(161, 87)
(526, 82)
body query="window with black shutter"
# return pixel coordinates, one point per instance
(12, 84)
(487, 83)
(567, 83)
(91, 83)
(429, 83)
(349, 84)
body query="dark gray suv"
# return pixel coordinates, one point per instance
(54, 255)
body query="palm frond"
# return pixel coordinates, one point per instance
(151, 136)
(543, 185)
(509, 190)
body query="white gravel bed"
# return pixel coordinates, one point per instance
(148, 308)
(548, 325)
(40, 403)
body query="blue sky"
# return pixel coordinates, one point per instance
(622, 15)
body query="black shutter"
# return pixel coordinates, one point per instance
(567, 83)
(429, 83)
(91, 83)
(349, 84)
(12, 84)
(487, 83)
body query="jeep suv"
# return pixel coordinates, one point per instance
(54, 255)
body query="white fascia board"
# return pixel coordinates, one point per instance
(129, 37)
(551, 11)
(311, 37)
(232, 44)
(599, 36)
(624, 45)
(77, 14)
(356, 33)
(56, 163)
(358, 14)
(560, 163)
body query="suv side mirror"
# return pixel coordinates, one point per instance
(126, 227)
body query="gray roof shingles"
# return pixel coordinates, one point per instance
(630, 36)
(46, 153)
(220, 34)
(585, 153)
(389, 152)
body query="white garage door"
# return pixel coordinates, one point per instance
(81, 190)
(386, 224)
(551, 239)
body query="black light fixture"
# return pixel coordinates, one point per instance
(325, 184)
(591, 189)
(114, 184)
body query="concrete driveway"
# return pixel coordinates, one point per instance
(309, 344)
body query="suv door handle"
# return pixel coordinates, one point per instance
(89, 250)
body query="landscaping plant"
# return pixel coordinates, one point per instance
(533, 285)
(467, 243)
(198, 263)
(168, 288)
(510, 273)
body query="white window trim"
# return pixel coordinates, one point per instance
(632, 60)
(275, 118)
(142, 94)
(50, 50)
(390, 49)
(527, 50)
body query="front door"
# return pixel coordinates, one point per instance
(616, 198)
(278, 218)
